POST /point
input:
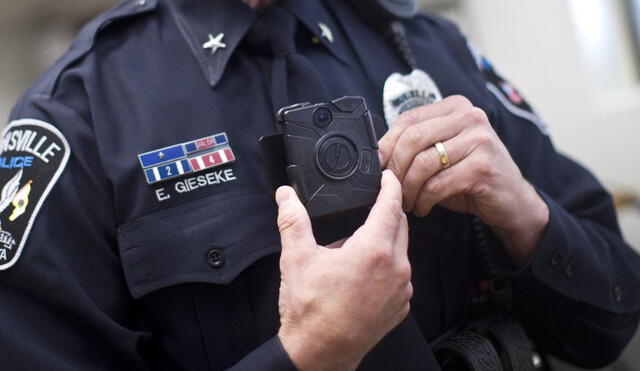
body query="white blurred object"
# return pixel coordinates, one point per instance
(605, 36)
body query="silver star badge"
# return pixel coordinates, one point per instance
(215, 43)
(326, 32)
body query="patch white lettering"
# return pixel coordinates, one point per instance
(23, 141)
(193, 183)
(161, 195)
(7, 241)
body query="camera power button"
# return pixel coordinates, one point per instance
(337, 157)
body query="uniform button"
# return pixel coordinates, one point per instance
(215, 258)
(571, 270)
(556, 259)
(617, 292)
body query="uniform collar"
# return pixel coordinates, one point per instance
(312, 13)
(367, 42)
(196, 19)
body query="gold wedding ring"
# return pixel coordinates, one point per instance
(444, 158)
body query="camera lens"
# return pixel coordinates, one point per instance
(322, 117)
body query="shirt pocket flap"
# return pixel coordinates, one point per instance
(211, 241)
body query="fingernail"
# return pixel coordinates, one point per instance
(283, 194)
(381, 157)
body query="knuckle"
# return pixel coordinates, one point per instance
(409, 118)
(433, 186)
(393, 166)
(483, 188)
(426, 160)
(414, 135)
(474, 116)
(409, 291)
(287, 220)
(459, 101)
(384, 145)
(483, 167)
(480, 115)
(404, 272)
(381, 256)
(484, 139)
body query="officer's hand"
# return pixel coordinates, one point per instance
(483, 178)
(337, 302)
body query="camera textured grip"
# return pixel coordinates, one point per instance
(332, 157)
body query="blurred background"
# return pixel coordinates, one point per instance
(577, 61)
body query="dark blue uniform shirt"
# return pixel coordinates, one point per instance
(115, 273)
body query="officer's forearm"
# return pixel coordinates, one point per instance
(581, 287)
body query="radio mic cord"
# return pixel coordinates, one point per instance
(397, 34)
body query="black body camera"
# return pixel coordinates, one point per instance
(332, 155)
(328, 153)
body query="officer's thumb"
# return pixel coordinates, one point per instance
(296, 234)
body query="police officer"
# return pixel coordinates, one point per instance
(138, 232)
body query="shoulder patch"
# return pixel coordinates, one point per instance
(33, 155)
(505, 92)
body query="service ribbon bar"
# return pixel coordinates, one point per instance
(167, 171)
(212, 159)
(206, 143)
(190, 157)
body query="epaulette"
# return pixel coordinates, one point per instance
(85, 40)
(448, 28)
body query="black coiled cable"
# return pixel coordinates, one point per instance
(396, 33)
(482, 241)
(500, 286)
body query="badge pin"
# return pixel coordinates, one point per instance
(215, 43)
(326, 32)
(404, 92)
(185, 158)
